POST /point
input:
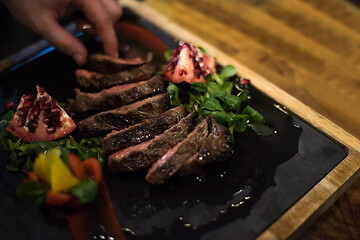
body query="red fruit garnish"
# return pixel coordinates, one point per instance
(245, 81)
(9, 105)
(188, 64)
(40, 119)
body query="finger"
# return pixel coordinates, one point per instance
(113, 8)
(82, 24)
(85, 26)
(64, 41)
(99, 16)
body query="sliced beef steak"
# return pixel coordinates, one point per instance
(144, 154)
(143, 131)
(217, 147)
(172, 161)
(116, 96)
(108, 65)
(93, 81)
(124, 116)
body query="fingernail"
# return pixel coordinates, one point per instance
(86, 26)
(78, 58)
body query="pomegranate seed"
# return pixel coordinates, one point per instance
(28, 97)
(47, 121)
(47, 107)
(182, 72)
(197, 73)
(31, 116)
(245, 81)
(9, 105)
(41, 90)
(55, 111)
(21, 112)
(36, 110)
(51, 130)
(32, 126)
(20, 122)
(27, 104)
(43, 102)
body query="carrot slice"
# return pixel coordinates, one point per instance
(93, 169)
(76, 166)
(31, 177)
(57, 198)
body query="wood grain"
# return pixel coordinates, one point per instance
(304, 54)
(341, 221)
(308, 48)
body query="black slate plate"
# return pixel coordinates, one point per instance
(265, 178)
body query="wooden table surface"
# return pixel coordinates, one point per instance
(309, 48)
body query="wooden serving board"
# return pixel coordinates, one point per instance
(325, 192)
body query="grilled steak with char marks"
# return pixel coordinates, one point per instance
(172, 161)
(116, 96)
(93, 81)
(143, 131)
(124, 116)
(104, 64)
(216, 148)
(139, 156)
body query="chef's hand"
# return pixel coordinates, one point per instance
(43, 16)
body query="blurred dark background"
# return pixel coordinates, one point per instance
(14, 36)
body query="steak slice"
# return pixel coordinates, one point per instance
(124, 116)
(143, 131)
(144, 154)
(217, 147)
(116, 96)
(96, 81)
(104, 64)
(172, 161)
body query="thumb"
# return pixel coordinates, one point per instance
(64, 41)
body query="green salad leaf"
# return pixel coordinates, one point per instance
(252, 115)
(202, 50)
(261, 129)
(167, 54)
(198, 87)
(228, 71)
(173, 91)
(216, 98)
(86, 191)
(31, 190)
(212, 104)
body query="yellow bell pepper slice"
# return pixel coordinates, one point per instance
(51, 169)
(42, 167)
